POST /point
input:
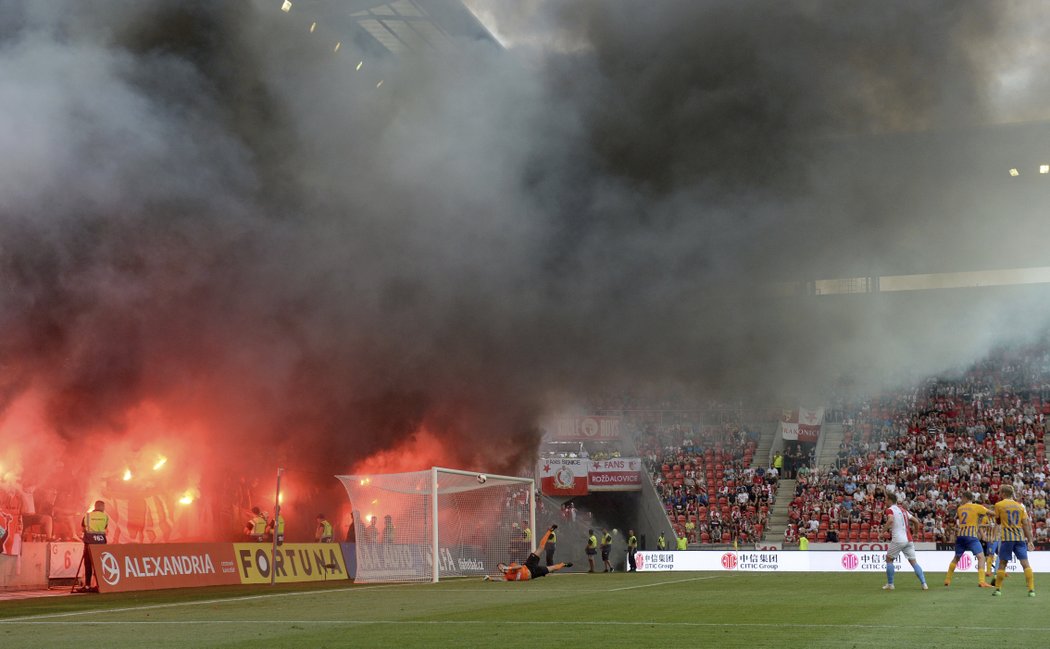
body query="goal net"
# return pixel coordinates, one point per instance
(428, 525)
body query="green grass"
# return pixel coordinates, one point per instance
(564, 610)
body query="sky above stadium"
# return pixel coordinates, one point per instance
(222, 228)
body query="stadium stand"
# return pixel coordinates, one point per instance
(971, 432)
(705, 478)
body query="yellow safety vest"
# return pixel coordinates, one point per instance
(661, 543)
(279, 528)
(326, 530)
(553, 538)
(96, 521)
(683, 543)
(632, 542)
(803, 543)
(258, 526)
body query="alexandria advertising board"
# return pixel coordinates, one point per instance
(132, 566)
(126, 566)
(772, 561)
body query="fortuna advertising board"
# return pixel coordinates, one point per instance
(809, 561)
(294, 562)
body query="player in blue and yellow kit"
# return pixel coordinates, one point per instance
(1015, 533)
(990, 542)
(968, 517)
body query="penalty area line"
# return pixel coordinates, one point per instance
(662, 583)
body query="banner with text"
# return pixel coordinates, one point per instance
(810, 422)
(124, 567)
(583, 429)
(620, 474)
(10, 523)
(64, 559)
(561, 476)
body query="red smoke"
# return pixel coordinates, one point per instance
(419, 452)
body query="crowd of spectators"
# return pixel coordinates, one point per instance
(704, 477)
(972, 432)
(587, 451)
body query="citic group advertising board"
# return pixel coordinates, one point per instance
(771, 561)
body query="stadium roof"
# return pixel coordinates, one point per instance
(399, 26)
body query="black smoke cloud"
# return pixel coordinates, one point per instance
(203, 208)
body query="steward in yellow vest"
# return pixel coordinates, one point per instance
(324, 533)
(95, 524)
(255, 528)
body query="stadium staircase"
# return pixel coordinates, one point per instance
(831, 439)
(778, 515)
(768, 433)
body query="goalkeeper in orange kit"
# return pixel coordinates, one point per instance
(532, 568)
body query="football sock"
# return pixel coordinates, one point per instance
(918, 573)
(1029, 578)
(951, 569)
(889, 573)
(999, 576)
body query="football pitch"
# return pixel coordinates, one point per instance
(563, 610)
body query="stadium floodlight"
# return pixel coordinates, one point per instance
(286, 6)
(1044, 169)
(1014, 171)
(427, 525)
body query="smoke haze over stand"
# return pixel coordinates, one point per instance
(210, 218)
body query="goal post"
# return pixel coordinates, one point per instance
(439, 523)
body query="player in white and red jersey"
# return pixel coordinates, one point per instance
(898, 526)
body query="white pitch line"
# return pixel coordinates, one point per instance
(245, 598)
(582, 623)
(148, 607)
(661, 583)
